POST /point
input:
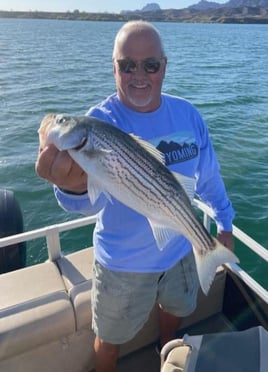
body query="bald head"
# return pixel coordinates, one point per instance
(137, 30)
(139, 66)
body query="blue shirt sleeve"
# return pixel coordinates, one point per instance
(210, 186)
(79, 203)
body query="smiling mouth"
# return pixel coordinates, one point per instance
(139, 86)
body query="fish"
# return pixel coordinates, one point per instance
(131, 170)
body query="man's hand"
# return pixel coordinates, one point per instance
(60, 169)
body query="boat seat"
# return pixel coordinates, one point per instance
(244, 351)
(76, 271)
(34, 309)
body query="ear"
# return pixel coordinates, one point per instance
(114, 68)
(165, 66)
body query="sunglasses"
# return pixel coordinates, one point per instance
(149, 65)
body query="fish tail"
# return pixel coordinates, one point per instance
(207, 263)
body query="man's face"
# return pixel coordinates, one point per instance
(138, 89)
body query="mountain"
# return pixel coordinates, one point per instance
(203, 4)
(150, 7)
(250, 3)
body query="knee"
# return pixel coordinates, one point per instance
(101, 346)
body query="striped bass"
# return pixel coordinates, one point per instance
(133, 171)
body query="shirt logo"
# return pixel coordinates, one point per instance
(176, 153)
(177, 147)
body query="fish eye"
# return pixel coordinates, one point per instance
(82, 144)
(60, 119)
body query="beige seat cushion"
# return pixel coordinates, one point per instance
(175, 356)
(76, 270)
(34, 309)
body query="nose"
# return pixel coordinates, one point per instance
(139, 70)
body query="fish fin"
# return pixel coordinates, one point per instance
(207, 263)
(188, 184)
(94, 191)
(162, 234)
(150, 148)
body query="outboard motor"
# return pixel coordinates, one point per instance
(12, 257)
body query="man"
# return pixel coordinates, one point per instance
(130, 273)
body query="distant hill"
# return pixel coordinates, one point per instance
(151, 7)
(250, 3)
(203, 4)
(233, 11)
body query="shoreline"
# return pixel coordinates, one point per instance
(242, 15)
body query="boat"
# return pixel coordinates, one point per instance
(45, 316)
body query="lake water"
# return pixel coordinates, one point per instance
(65, 67)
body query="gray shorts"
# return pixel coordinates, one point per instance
(122, 302)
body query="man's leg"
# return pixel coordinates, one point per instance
(177, 294)
(169, 325)
(105, 356)
(121, 304)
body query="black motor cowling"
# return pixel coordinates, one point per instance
(12, 257)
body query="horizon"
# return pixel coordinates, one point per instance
(104, 6)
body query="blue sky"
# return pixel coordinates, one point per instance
(92, 5)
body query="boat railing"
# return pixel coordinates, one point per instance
(247, 241)
(52, 235)
(239, 234)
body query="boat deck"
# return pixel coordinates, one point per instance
(147, 358)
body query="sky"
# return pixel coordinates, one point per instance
(92, 5)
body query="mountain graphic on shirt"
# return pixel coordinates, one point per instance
(177, 153)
